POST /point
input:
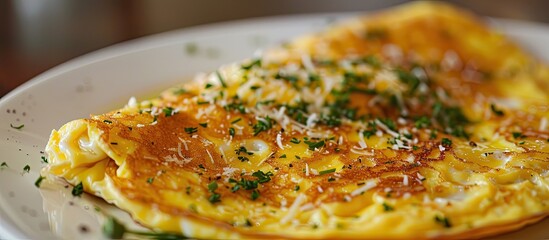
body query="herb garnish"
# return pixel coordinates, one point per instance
(387, 207)
(444, 221)
(446, 142)
(215, 197)
(44, 159)
(263, 125)
(314, 145)
(39, 181)
(113, 229)
(27, 168)
(246, 184)
(496, 111)
(191, 130)
(169, 111)
(256, 62)
(17, 127)
(221, 80)
(331, 170)
(78, 190)
(204, 125)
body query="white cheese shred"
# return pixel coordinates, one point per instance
(210, 155)
(279, 141)
(367, 186)
(292, 211)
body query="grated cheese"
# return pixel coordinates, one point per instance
(292, 211)
(367, 186)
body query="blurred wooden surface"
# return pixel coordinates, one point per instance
(36, 35)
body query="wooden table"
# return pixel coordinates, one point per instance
(36, 35)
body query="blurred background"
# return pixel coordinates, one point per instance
(36, 35)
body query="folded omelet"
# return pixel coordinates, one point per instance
(416, 122)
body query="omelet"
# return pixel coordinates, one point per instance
(415, 122)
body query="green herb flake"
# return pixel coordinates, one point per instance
(169, 111)
(107, 121)
(255, 194)
(236, 120)
(295, 141)
(17, 127)
(215, 197)
(256, 62)
(204, 125)
(3, 165)
(496, 111)
(188, 190)
(208, 85)
(315, 145)
(179, 91)
(112, 229)
(296, 188)
(231, 132)
(282, 156)
(27, 168)
(446, 142)
(517, 135)
(331, 170)
(44, 159)
(39, 181)
(150, 180)
(191, 130)
(221, 79)
(263, 125)
(444, 221)
(387, 207)
(78, 190)
(262, 177)
(191, 48)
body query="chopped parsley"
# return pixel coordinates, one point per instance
(44, 159)
(262, 177)
(78, 190)
(446, 142)
(107, 121)
(179, 91)
(169, 111)
(314, 145)
(387, 207)
(296, 188)
(496, 111)
(150, 180)
(231, 131)
(255, 194)
(256, 62)
(246, 184)
(295, 140)
(282, 156)
(191, 130)
(204, 125)
(221, 79)
(17, 127)
(27, 168)
(39, 181)
(422, 122)
(331, 170)
(236, 120)
(215, 197)
(444, 221)
(3, 165)
(112, 229)
(263, 125)
(517, 135)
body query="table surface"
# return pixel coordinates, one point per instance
(36, 35)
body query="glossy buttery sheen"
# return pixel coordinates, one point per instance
(416, 122)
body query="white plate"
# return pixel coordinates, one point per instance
(106, 79)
